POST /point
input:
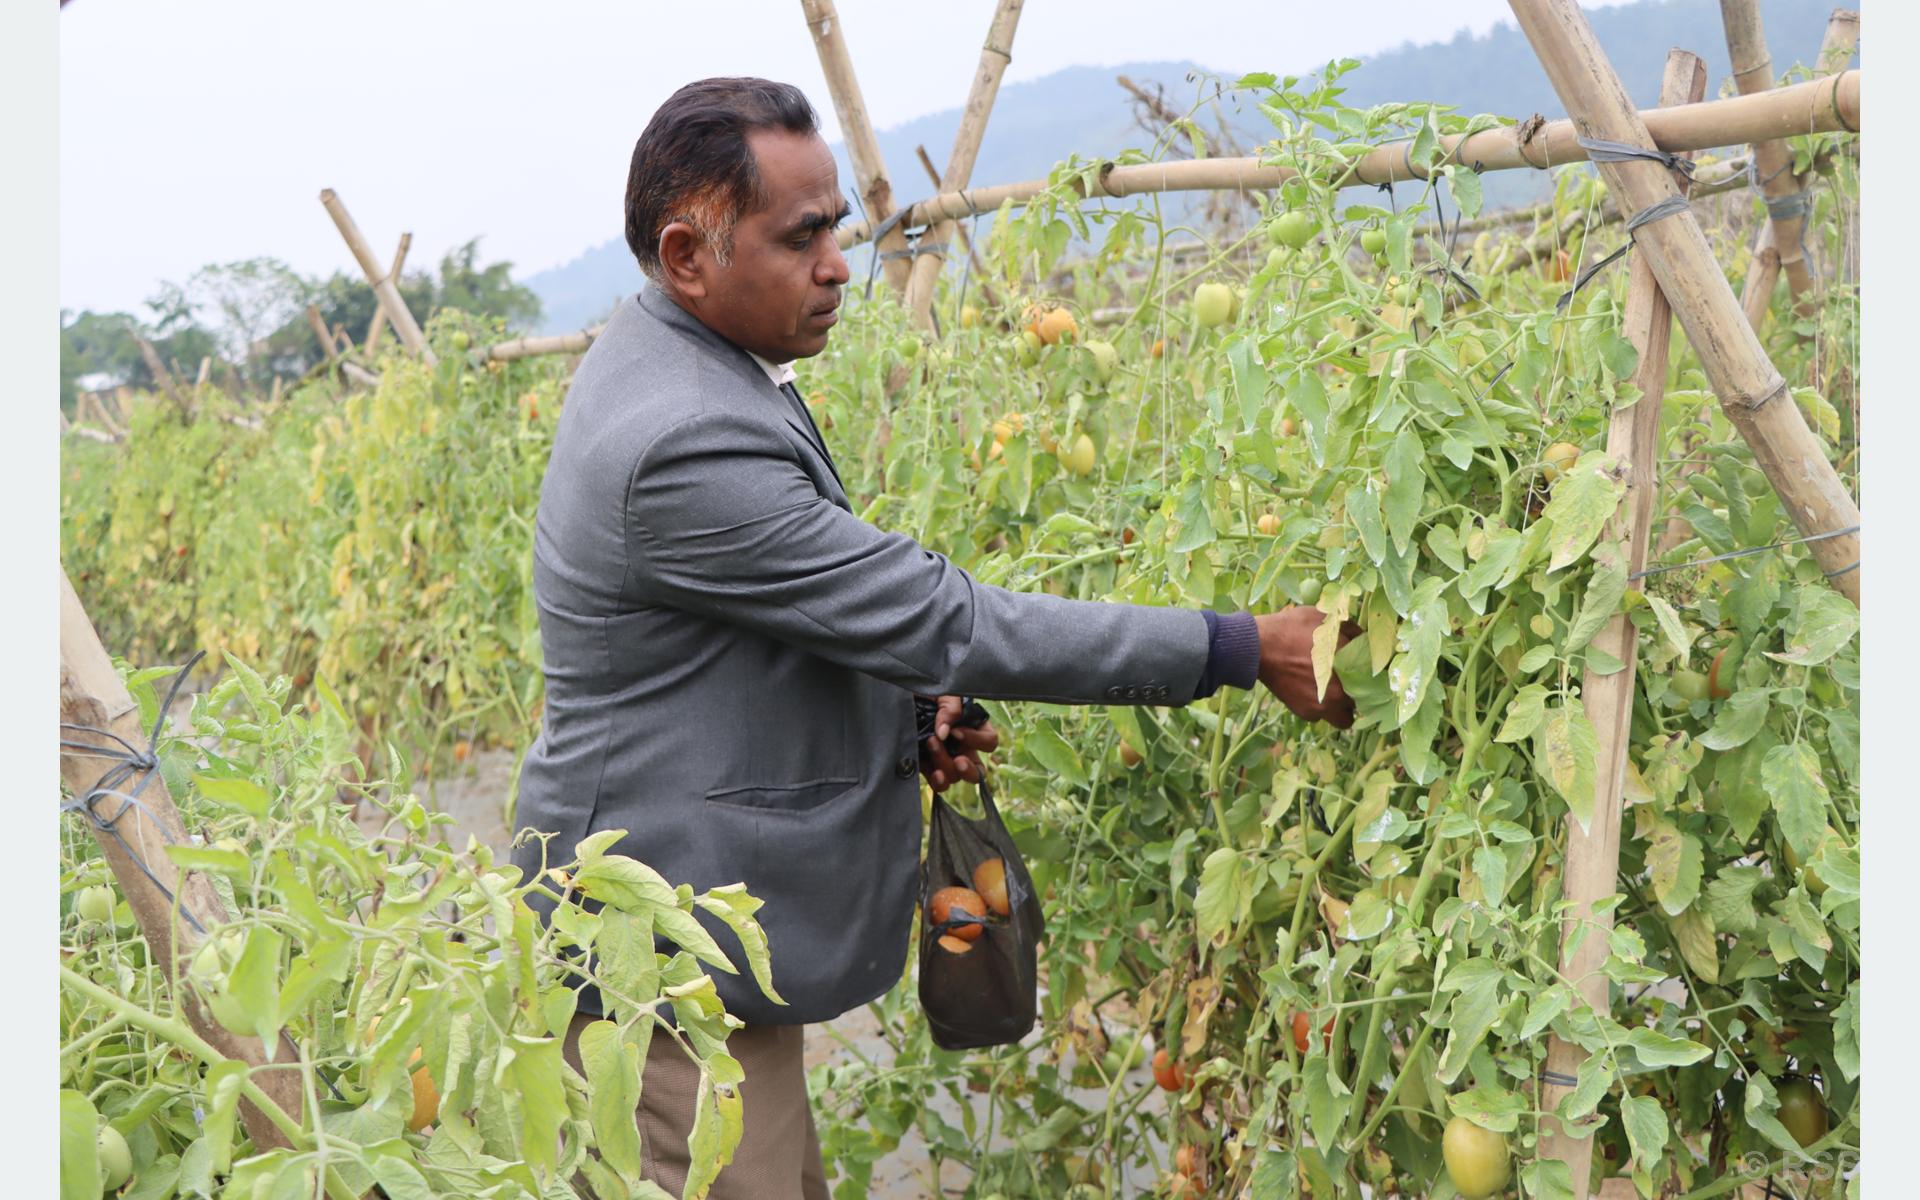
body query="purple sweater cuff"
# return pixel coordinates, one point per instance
(1233, 652)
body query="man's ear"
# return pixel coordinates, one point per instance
(684, 258)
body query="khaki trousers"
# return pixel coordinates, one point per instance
(779, 1153)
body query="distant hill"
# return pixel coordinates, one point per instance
(1082, 110)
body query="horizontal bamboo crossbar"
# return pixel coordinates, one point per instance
(529, 347)
(1817, 106)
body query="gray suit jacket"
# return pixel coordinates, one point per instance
(731, 656)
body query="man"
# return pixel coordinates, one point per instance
(732, 656)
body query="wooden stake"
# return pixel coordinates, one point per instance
(930, 255)
(856, 129)
(92, 695)
(200, 380)
(379, 323)
(1752, 394)
(1592, 858)
(383, 285)
(1817, 106)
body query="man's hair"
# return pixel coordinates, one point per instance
(693, 163)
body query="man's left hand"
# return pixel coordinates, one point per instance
(943, 768)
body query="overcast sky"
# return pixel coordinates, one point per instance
(200, 131)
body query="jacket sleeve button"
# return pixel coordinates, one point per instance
(906, 767)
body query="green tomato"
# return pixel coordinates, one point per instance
(907, 346)
(1212, 304)
(1026, 348)
(1373, 241)
(1478, 1161)
(460, 340)
(1310, 589)
(1276, 259)
(1688, 685)
(94, 904)
(116, 1160)
(1105, 360)
(1290, 229)
(1802, 1110)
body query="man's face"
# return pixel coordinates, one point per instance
(780, 292)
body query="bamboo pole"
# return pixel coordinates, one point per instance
(379, 323)
(1592, 855)
(529, 347)
(930, 252)
(200, 380)
(329, 350)
(1772, 160)
(856, 129)
(1817, 106)
(92, 434)
(161, 375)
(978, 271)
(1751, 392)
(93, 695)
(383, 286)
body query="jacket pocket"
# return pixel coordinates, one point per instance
(792, 798)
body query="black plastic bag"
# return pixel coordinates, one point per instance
(988, 995)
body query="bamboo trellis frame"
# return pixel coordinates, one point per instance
(1836, 47)
(930, 251)
(1592, 855)
(385, 286)
(1817, 106)
(1751, 392)
(856, 129)
(379, 323)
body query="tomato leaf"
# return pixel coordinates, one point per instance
(1656, 1049)
(1051, 751)
(1674, 860)
(1605, 588)
(717, 1126)
(1760, 1106)
(1730, 898)
(613, 1095)
(1490, 1107)
(1406, 486)
(1791, 775)
(1738, 720)
(1524, 714)
(1824, 621)
(1669, 622)
(79, 1147)
(1565, 748)
(1224, 896)
(1363, 509)
(1646, 1125)
(1693, 931)
(735, 908)
(1583, 501)
(530, 1069)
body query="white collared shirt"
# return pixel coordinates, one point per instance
(780, 373)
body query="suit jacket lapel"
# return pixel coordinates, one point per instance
(793, 408)
(810, 431)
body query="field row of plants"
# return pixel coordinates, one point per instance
(1337, 950)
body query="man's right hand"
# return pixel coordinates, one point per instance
(1286, 665)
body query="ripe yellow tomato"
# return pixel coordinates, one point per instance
(1478, 1160)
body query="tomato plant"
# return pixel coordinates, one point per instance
(423, 999)
(1401, 426)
